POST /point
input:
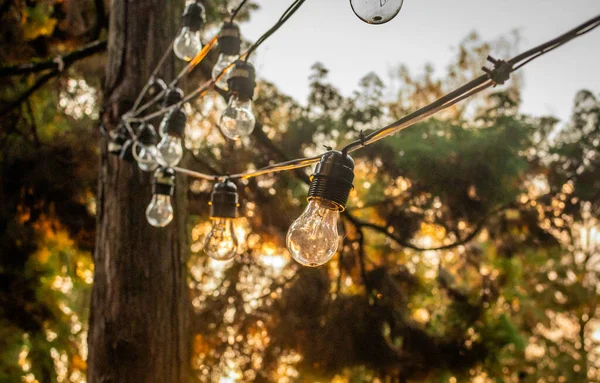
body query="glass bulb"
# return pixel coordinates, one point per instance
(147, 158)
(376, 11)
(221, 242)
(313, 237)
(171, 151)
(160, 212)
(223, 62)
(237, 119)
(187, 45)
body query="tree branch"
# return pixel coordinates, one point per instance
(55, 62)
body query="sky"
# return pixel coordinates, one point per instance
(428, 31)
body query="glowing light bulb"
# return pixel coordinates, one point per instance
(221, 242)
(376, 11)
(170, 147)
(144, 150)
(313, 237)
(237, 120)
(160, 212)
(223, 62)
(188, 44)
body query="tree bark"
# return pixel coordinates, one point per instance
(139, 320)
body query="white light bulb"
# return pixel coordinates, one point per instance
(147, 157)
(313, 237)
(221, 242)
(171, 150)
(187, 44)
(376, 11)
(160, 212)
(237, 119)
(223, 62)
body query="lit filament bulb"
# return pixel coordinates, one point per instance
(160, 211)
(237, 120)
(170, 147)
(221, 243)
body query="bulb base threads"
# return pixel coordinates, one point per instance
(164, 182)
(333, 178)
(242, 80)
(193, 16)
(224, 200)
(229, 39)
(176, 120)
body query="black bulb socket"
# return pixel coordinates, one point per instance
(164, 182)
(127, 151)
(224, 200)
(193, 16)
(333, 178)
(242, 81)
(172, 97)
(117, 140)
(147, 135)
(176, 120)
(230, 40)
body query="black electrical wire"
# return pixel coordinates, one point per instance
(237, 10)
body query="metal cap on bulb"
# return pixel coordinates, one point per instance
(147, 135)
(193, 16)
(176, 120)
(164, 182)
(242, 80)
(333, 178)
(172, 97)
(230, 40)
(224, 200)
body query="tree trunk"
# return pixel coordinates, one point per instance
(138, 328)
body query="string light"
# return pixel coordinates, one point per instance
(376, 11)
(238, 120)
(229, 45)
(221, 243)
(188, 44)
(313, 238)
(160, 211)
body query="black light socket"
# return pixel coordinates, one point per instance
(193, 16)
(117, 140)
(127, 151)
(242, 80)
(230, 40)
(164, 182)
(333, 178)
(147, 135)
(224, 200)
(175, 124)
(172, 97)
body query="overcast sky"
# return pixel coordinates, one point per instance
(426, 31)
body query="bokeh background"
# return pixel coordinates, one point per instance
(470, 249)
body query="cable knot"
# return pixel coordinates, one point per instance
(501, 72)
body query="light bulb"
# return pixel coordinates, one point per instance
(160, 212)
(237, 119)
(221, 242)
(187, 44)
(313, 237)
(171, 150)
(147, 157)
(223, 62)
(376, 11)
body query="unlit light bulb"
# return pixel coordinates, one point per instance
(171, 150)
(187, 44)
(376, 11)
(313, 237)
(147, 157)
(221, 242)
(237, 120)
(223, 62)
(160, 212)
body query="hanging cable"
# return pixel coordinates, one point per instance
(237, 10)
